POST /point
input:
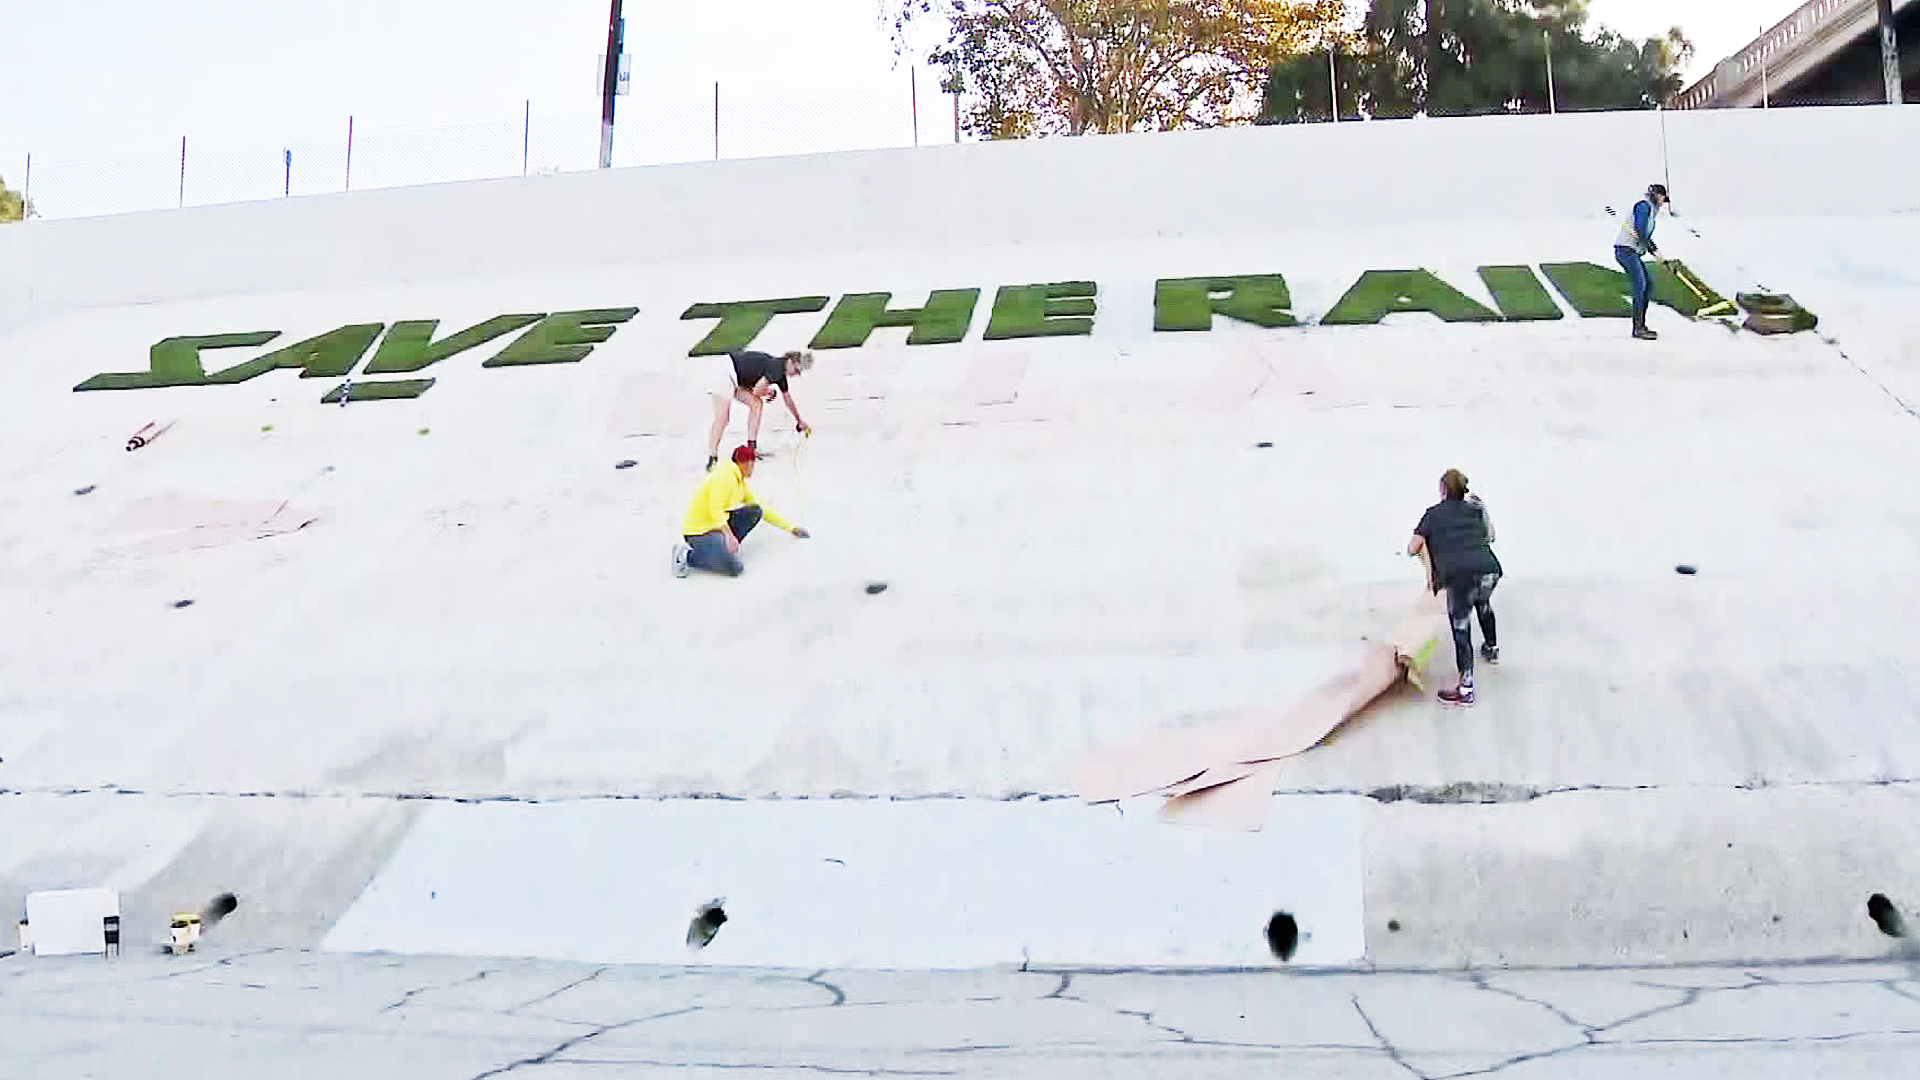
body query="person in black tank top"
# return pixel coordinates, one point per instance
(1457, 535)
(752, 379)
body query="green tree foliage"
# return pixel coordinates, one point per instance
(1475, 57)
(13, 205)
(1041, 67)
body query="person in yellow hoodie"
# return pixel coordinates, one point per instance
(721, 515)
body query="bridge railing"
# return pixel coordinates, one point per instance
(1785, 51)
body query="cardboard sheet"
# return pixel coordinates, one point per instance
(656, 403)
(1224, 774)
(994, 379)
(167, 513)
(1244, 804)
(1155, 761)
(176, 523)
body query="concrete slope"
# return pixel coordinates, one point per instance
(1083, 541)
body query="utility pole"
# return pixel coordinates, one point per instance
(1552, 106)
(1890, 54)
(616, 30)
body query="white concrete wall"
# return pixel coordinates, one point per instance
(1838, 161)
(485, 611)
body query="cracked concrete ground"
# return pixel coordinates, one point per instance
(279, 1013)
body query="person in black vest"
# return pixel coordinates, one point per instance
(752, 379)
(1457, 533)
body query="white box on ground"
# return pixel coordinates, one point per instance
(70, 922)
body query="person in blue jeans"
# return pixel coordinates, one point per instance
(720, 516)
(1630, 248)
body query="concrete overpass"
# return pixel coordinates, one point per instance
(1826, 53)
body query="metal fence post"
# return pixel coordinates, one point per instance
(1890, 55)
(183, 170)
(526, 138)
(349, 186)
(287, 190)
(716, 119)
(913, 85)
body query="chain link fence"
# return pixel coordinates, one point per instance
(715, 121)
(684, 124)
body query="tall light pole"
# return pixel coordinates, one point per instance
(610, 82)
(1889, 54)
(1333, 84)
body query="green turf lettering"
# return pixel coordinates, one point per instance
(325, 356)
(1593, 291)
(1064, 309)
(1689, 296)
(176, 362)
(386, 390)
(1519, 293)
(564, 337)
(943, 321)
(742, 320)
(1597, 292)
(409, 345)
(1191, 303)
(1380, 293)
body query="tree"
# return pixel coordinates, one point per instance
(1473, 57)
(1300, 87)
(13, 204)
(1041, 67)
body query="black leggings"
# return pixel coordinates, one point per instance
(1464, 595)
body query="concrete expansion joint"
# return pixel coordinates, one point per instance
(1462, 792)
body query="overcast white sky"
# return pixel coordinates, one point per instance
(101, 92)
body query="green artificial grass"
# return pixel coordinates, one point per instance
(1676, 294)
(1063, 309)
(176, 362)
(1380, 293)
(1593, 291)
(565, 337)
(324, 356)
(1597, 292)
(742, 320)
(409, 345)
(943, 321)
(393, 390)
(1519, 293)
(1191, 303)
(1777, 305)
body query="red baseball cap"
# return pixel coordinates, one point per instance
(743, 455)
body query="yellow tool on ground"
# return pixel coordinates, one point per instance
(1724, 307)
(800, 481)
